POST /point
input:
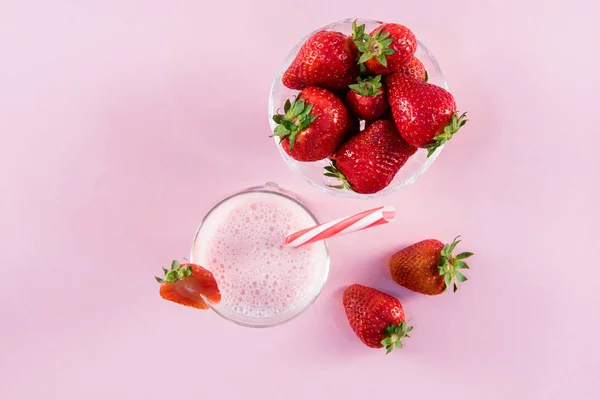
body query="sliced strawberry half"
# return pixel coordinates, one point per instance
(186, 284)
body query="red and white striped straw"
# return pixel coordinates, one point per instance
(342, 226)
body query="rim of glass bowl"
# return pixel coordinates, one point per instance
(274, 189)
(294, 165)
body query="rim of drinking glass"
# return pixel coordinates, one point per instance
(274, 189)
(295, 167)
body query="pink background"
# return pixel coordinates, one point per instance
(122, 122)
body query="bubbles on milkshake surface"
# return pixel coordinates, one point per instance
(258, 276)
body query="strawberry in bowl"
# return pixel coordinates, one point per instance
(368, 162)
(327, 59)
(313, 126)
(386, 49)
(366, 99)
(358, 61)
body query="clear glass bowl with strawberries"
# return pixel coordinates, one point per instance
(360, 108)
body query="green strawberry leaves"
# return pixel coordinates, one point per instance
(175, 273)
(449, 130)
(296, 117)
(393, 335)
(459, 276)
(358, 32)
(376, 45)
(298, 107)
(450, 265)
(332, 172)
(464, 255)
(370, 86)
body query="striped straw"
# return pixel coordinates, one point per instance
(342, 226)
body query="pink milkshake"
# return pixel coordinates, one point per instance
(262, 282)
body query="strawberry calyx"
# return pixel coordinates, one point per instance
(394, 334)
(177, 272)
(450, 265)
(370, 86)
(358, 32)
(376, 45)
(333, 172)
(449, 130)
(296, 117)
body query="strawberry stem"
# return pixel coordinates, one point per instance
(370, 86)
(394, 334)
(449, 130)
(376, 45)
(450, 265)
(174, 274)
(296, 118)
(332, 172)
(358, 32)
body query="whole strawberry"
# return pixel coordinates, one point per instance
(376, 317)
(386, 49)
(429, 267)
(188, 285)
(327, 59)
(314, 125)
(366, 98)
(416, 69)
(369, 161)
(425, 114)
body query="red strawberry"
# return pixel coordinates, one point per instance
(425, 114)
(386, 49)
(187, 284)
(416, 69)
(366, 99)
(326, 59)
(429, 266)
(376, 317)
(369, 161)
(314, 125)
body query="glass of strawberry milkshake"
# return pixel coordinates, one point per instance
(262, 282)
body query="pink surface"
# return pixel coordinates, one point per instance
(123, 122)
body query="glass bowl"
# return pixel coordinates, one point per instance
(312, 172)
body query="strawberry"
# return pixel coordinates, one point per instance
(366, 99)
(369, 161)
(429, 266)
(189, 284)
(376, 317)
(314, 124)
(425, 114)
(386, 49)
(327, 59)
(416, 69)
